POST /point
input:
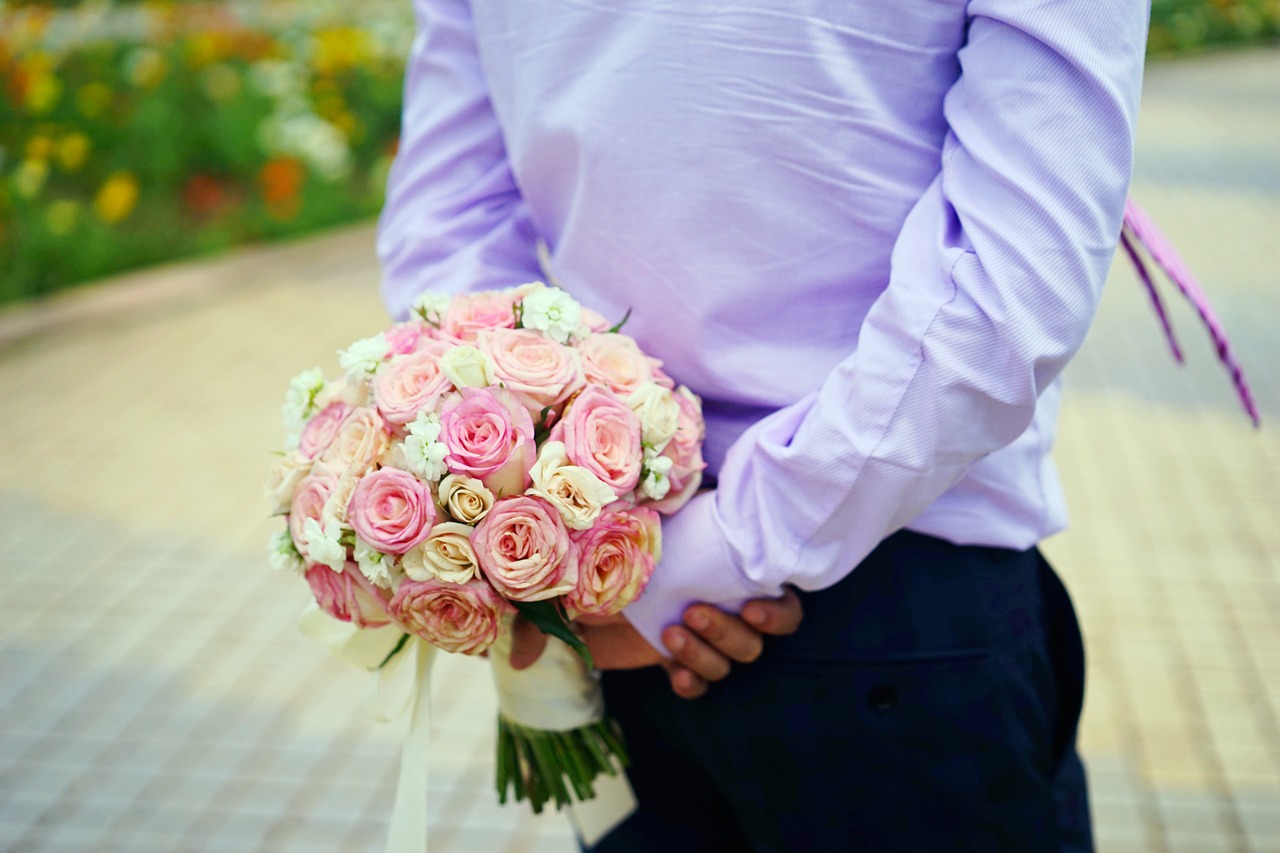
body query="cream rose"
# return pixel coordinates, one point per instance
(576, 493)
(361, 440)
(283, 479)
(465, 498)
(658, 412)
(445, 554)
(468, 367)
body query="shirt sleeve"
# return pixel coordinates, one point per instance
(994, 280)
(453, 218)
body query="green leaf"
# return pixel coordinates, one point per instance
(549, 618)
(618, 326)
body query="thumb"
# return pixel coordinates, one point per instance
(527, 643)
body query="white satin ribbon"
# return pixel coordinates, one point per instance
(557, 693)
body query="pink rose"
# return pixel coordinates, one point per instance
(524, 550)
(463, 618)
(408, 384)
(615, 361)
(348, 595)
(469, 314)
(592, 321)
(361, 441)
(538, 370)
(320, 430)
(309, 500)
(404, 338)
(489, 436)
(392, 510)
(685, 452)
(616, 557)
(602, 434)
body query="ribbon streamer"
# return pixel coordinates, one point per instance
(1139, 230)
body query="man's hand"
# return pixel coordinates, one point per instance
(702, 650)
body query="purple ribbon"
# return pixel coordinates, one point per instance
(1139, 231)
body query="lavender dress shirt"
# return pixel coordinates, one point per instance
(869, 235)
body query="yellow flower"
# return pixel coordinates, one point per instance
(147, 67)
(73, 150)
(43, 93)
(38, 147)
(116, 198)
(29, 177)
(92, 99)
(61, 216)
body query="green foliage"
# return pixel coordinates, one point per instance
(1181, 26)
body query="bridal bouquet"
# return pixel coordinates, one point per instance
(502, 452)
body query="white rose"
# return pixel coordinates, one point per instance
(335, 508)
(468, 367)
(576, 493)
(658, 412)
(446, 554)
(465, 498)
(282, 481)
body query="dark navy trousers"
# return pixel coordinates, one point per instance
(929, 702)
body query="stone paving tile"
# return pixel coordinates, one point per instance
(154, 692)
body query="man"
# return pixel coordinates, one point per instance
(870, 236)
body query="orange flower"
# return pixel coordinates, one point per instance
(281, 180)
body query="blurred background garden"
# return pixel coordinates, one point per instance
(133, 133)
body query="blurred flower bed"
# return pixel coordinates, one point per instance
(136, 134)
(1179, 26)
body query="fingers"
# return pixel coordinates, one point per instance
(778, 617)
(724, 632)
(527, 643)
(688, 649)
(684, 683)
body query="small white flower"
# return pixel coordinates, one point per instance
(378, 567)
(283, 553)
(300, 403)
(323, 544)
(551, 311)
(421, 452)
(364, 356)
(654, 479)
(431, 306)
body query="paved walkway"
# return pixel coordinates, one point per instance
(154, 695)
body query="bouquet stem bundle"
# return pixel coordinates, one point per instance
(539, 765)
